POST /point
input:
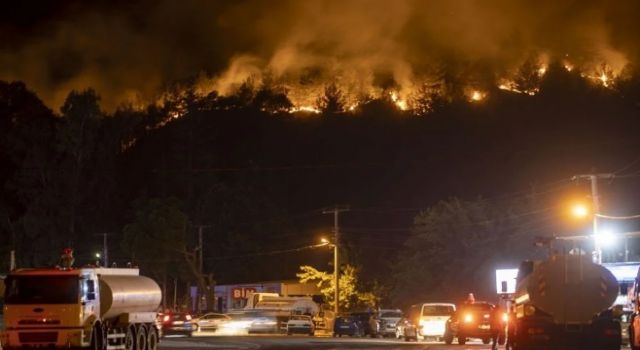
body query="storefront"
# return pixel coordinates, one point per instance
(234, 296)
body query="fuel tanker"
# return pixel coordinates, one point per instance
(565, 303)
(66, 307)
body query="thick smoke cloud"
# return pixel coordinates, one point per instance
(132, 52)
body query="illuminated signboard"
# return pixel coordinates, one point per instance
(241, 293)
(506, 281)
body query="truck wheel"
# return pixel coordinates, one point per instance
(448, 339)
(130, 339)
(462, 340)
(502, 339)
(141, 338)
(96, 339)
(152, 339)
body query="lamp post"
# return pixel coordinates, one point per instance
(582, 211)
(336, 274)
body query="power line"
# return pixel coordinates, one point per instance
(629, 165)
(273, 252)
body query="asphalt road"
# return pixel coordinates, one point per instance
(272, 342)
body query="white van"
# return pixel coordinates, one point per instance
(430, 318)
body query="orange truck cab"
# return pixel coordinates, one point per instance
(101, 308)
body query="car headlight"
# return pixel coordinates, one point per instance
(468, 318)
(505, 317)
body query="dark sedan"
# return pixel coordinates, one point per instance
(176, 323)
(348, 325)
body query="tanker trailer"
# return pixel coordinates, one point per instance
(565, 302)
(98, 308)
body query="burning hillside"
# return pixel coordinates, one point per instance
(131, 52)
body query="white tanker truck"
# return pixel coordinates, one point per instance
(564, 303)
(99, 308)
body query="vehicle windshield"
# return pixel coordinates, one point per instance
(392, 314)
(42, 290)
(437, 310)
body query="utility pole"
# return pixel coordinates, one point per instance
(596, 206)
(336, 247)
(200, 248)
(105, 248)
(12, 260)
(202, 292)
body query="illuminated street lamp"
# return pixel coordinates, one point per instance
(336, 272)
(605, 238)
(580, 211)
(600, 239)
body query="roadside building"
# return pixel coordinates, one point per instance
(234, 296)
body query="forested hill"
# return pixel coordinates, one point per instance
(257, 178)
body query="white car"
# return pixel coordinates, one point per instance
(300, 324)
(430, 319)
(209, 322)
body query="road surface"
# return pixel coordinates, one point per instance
(273, 342)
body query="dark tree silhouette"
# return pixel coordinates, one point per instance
(332, 101)
(529, 75)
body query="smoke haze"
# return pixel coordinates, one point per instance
(133, 52)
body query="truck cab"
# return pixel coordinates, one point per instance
(101, 308)
(36, 299)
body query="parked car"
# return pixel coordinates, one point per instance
(300, 324)
(209, 322)
(179, 323)
(406, 329)
(371, 326)
(470, 321)
(348, 325)
(388, 320)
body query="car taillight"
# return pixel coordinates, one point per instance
(166, 318)
(535, 330)
(610, 332)
(188, 317)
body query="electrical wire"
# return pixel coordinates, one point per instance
(273, 252)
(629, 165)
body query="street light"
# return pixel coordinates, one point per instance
(605, 238)
(336, 273)
(580, 211)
